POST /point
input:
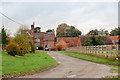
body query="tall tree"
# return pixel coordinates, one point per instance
(65, 30)
(5, 41)
(61, 30)
(72, 32)
(21, 30)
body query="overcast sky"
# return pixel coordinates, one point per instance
(85, 16)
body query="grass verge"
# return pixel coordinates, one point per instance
(28, 64)
(91, 58)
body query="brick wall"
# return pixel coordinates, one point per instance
(52, 43)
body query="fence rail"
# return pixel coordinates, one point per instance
(112, 51)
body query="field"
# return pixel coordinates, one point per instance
(27, 64)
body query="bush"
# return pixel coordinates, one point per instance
(23, 43)
(13, 48)
(40, 48)
(58, 47)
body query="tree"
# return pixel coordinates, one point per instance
(103, 32)
(61, 30)
(5, 41)
(65, 30)
(100, 42)
(93, 32)
(94, 41)
(72, 32)
(115, 32)
(88, 42)
(49, 31)
(23, 43)
(21, 30)
(37, 30)
(13, 48)
(98, 32)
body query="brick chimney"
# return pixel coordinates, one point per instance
(53, 33)
(32, 27)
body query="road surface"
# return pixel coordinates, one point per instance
(70, 67)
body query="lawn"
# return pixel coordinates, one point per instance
(91, 58)
(27, 64)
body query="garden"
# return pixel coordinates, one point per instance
(19, 57)
(13, 66)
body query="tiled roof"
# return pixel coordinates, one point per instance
(48, 37)
(42, 35)
(39, 35)
(70, 40)
(114, 38)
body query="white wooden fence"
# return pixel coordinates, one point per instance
(111, 51)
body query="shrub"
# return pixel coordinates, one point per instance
(58, 47)
(13, 48)
(23, 43)
(40, 48)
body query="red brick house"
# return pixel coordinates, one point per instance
(114, 39)
(42, 38)
(79, 41)
(68, 41)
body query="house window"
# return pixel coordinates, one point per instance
(49, 46)
(37, 44)
(37, 40)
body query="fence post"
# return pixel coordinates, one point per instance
(111, 50)
(102, 50)
(106, 51)
(95, 50)
(86, 49)
(98, 50)
(90, 49)
(117, 51)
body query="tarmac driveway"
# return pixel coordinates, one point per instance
(70, 67)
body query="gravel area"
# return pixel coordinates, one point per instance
(70, 67)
